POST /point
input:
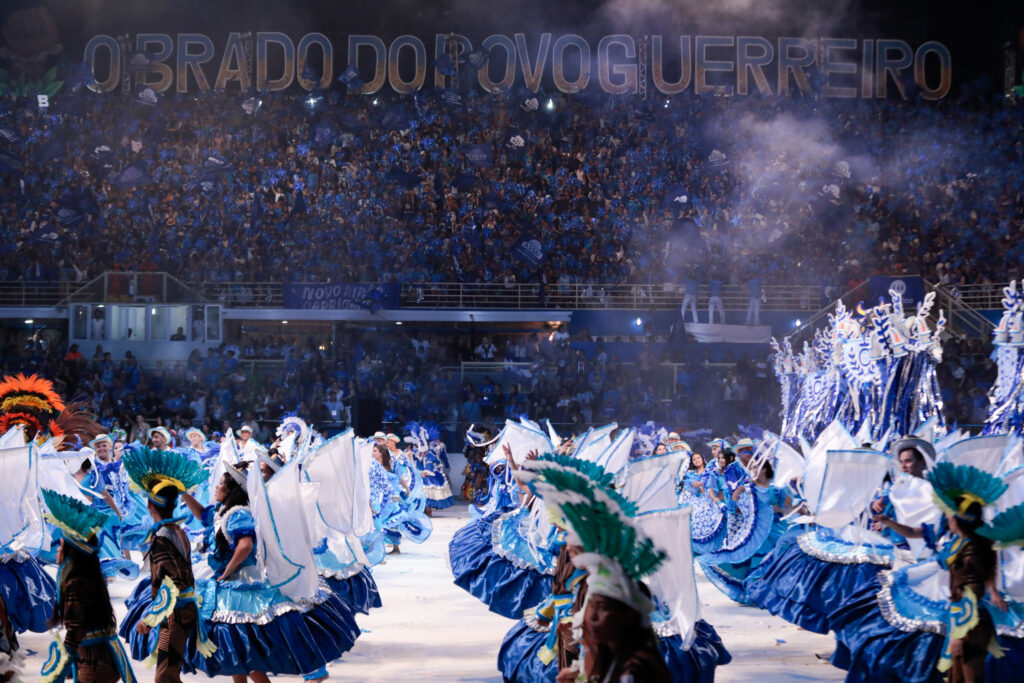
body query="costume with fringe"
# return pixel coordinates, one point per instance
(90, 648)
(246, 616)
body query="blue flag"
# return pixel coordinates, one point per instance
(445, 65)
(147, 97)
(479, 155)
(69, 217)
(80, 76)
(45, 234)
(9, 135)
(451, 98)
(477, 58)
(138, 62)
(530, 250)
(323, 133)
(404, 178)
(215, 166)
(395, 117)
(350, 77)
(132, 176)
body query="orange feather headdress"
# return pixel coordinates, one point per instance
(30, 401)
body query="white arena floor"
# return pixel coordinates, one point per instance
(429, 629)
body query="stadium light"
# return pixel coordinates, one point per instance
(797, 323)
(638, 322)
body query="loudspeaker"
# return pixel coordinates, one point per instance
(367, 416)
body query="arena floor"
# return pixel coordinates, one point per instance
(429, 629)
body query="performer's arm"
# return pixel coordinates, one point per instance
(193, 505)
(902, 529)
(242, 550)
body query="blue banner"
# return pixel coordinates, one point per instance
(911, 287)
(530, 251)
(479, 155)
(342, 296)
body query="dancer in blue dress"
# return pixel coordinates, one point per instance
(246, 616)
(426, 451)
(506, 557)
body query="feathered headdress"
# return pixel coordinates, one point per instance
(956, 487)
(30, 401)
(78, 523)
(615, 554)
(153, 471)
(564, 472)
(293, 423)
(1006, 528)
(76, 422)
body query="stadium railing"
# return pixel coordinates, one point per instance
(161, 287)
(494, 295)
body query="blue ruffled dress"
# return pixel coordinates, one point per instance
(893, 628)
(517, 658)
(730, 577)
(254, 626)
(491, 559)
(518, 661)
(811, 576)
(28, 591)
(698, 663)
(436, 487)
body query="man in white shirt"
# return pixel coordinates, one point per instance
(421, 346)
(248, 448)
(486, 350)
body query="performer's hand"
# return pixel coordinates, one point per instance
(566, 675)
(999, 601)
(878, 505)
(142, 628)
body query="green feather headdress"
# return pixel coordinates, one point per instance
(956, 487)
(152, 471)
(1007, 528)
(566, 473)
(78, 523)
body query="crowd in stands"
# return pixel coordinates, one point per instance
(575, 383)
(345, 187)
